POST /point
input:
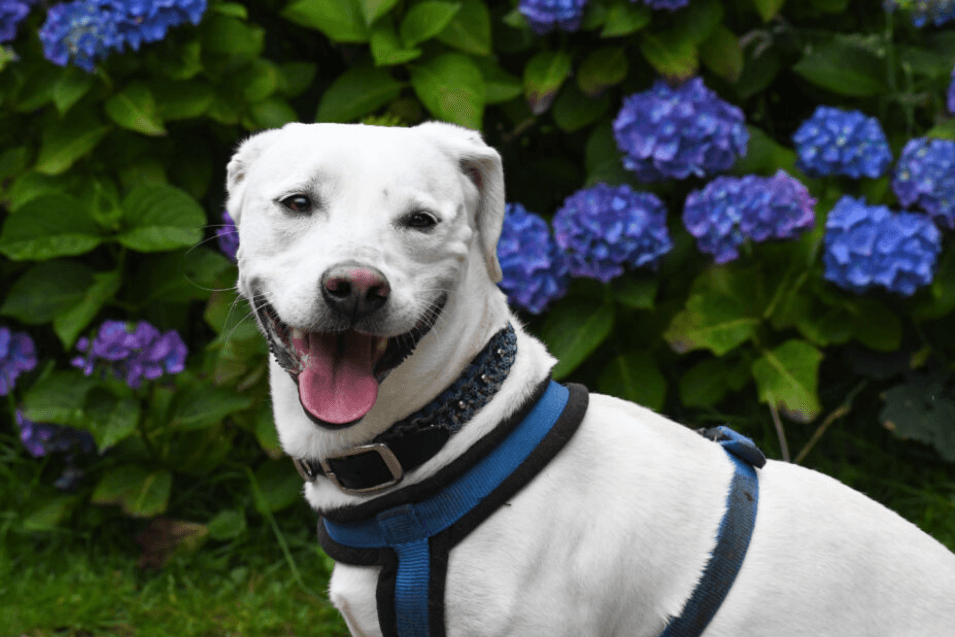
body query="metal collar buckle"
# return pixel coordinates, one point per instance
(387, 457)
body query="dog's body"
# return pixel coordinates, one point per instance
(612, 536)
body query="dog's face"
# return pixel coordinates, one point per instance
(352, 238)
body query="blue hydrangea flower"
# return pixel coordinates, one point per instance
(730, 210)
(544, 15)
(17, 355)
(838, 142)
(535, 270)
(869, 246)
(604, 228)
(11, 13)
(228, 236)
(41, 439)
(667, 132)
(921, 12)
(669, 5)
(132, 353)
(925, 177)
(84, 31)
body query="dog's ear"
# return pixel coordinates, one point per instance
(239, 165)
(482, 165)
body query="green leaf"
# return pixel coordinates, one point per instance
(635, 290)
(182, 62)
(47, 227)
(386, 46)
(672, 53)
(844, 68)
(634, 377)
(140, 492)
(425, 20)
(339, 20)
(573, 110)
(47, 514)
(764, 155)
(451, 86)
(181, 276)
(788, 379)
(279, 486)
(470, 29)
(233, 9)
(722, 54)
(625, 17)
(230, 37)
(543, 77)
(182, 100)
(357, 92)
(700, 19)
(110, 419)
(573, 332)
(271, 113)
(922, 410)
(59, 398)
(199, 405)
(374, 9)
(69, 323)
(71, 87)
(63, 142)
(499, 85)
(768, 8)
(227, 525)
(704, 384)
(945, 130)
(602, 69)
(297, 77)
(135, 108)
(926, 62)
(46, 289)
(160, 217)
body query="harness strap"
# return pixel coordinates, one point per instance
(732, 538)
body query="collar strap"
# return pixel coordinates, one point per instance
(414, 440)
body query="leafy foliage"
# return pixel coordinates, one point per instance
(110, 182)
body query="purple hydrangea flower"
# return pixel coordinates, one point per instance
(228, 236)
(41, 439)
(730, 210)
(544, 15)
(667, 132)
(133, 354)
(535, 270)
(605, 228)
(84, 31)
(11, 13)
(925, 177)
(17, 355)
(921, 12)
(868, 246)
(838, 142)
(669, 5)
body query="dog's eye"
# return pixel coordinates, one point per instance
(420, 220)
(297, 203)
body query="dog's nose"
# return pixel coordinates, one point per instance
(355, 290)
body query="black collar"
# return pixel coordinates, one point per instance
(411, 442)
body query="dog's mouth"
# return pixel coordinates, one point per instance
(338, 373)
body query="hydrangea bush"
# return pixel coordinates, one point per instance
(736, 208)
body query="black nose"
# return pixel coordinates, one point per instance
(355, 290)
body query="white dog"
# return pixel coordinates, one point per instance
(369, 256)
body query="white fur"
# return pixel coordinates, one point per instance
(612, 536)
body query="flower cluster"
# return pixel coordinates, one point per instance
(228, 236)
(41, 439)
(868, 246)
(669, 5)
(838, 142)
(604, 228)
(133, 354)
(730, 210)
(544, 15)
(667, 132)
(535, 270)
(17, 355)
(921, 12)
(11, 13)
(87, 30)
(925, 177)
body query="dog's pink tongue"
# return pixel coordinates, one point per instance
(338, 385)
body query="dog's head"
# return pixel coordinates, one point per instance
(352, 240)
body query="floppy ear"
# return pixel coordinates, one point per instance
(482, 165)
(238, 167)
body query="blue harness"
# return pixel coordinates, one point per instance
(410, 532)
